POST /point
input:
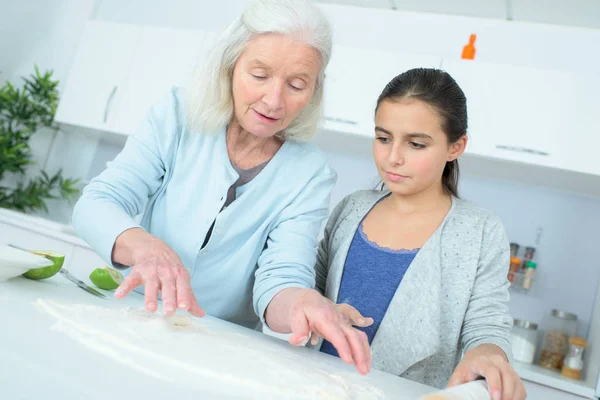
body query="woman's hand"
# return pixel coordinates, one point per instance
(489, 361)
(314, 314)
(156, 266)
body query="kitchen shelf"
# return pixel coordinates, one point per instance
(535, 373)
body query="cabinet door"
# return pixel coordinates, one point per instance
(584, 132)
(516, 113)
(355, 78)
(97, 77)
(165, 58)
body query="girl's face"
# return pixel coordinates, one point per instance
(410, 148)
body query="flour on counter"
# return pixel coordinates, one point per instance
(194, 353)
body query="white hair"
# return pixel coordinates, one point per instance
(210, 102)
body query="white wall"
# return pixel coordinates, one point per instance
(185, 14)
(40, 32)
(46, 34)
(568, 272)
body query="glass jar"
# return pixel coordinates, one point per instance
(529, 272)
(515, 265)
(561, 326)
(523, 338)
(573, 363)
(514, 250)
(527, 256)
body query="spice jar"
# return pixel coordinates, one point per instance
(527, 256)
(515, 265)
(573, 363)
(529, 272)
(523, 338)
(514, 250)
(561, 326)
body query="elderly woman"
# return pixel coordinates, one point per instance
(232, 197)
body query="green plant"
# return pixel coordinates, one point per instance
(22, 113)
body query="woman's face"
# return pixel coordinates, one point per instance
(273, 80)
(410, 148)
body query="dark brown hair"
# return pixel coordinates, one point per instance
(438, 89)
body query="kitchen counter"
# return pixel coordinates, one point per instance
(535, 373)
(58, 341)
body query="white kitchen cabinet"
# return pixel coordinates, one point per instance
(164, 58)
(99, 73)
(355, 77)
(584, 133)
(517, 113)
(526, 124)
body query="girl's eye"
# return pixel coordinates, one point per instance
(383, 139)
(417, 146)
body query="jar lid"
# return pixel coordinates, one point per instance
(525, 324)
(577, 341)
(563, 315)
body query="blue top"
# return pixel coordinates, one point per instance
(265, 241)
(370, 279)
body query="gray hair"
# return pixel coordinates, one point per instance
(210, 103)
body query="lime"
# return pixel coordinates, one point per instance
(57, 259)
(106, 278)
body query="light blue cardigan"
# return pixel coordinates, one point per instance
(265, 241)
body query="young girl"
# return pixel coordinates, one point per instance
(428, 268)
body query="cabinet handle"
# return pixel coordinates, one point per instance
(522, 150)
(109, 102)
(341, 120)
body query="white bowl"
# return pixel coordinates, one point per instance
(15, 262)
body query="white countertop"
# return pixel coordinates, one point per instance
(535, 373)
(40, 358)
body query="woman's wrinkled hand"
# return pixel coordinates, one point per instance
(156, 266)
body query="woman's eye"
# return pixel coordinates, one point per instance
(297, 84)
(416, 145)
(382, 139)
(259, 77)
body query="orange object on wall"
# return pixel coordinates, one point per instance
(468, 52)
